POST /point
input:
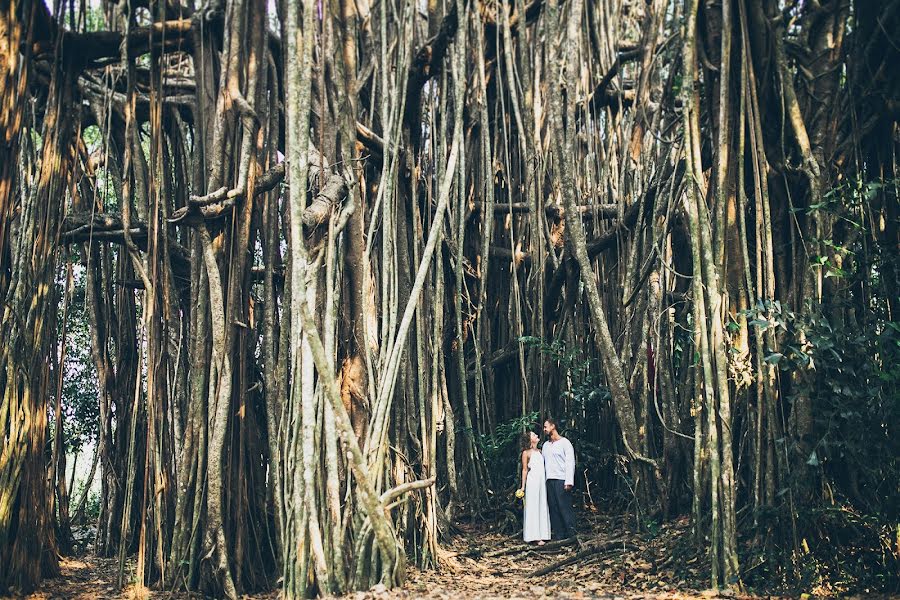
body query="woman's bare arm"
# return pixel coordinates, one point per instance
(524, 467)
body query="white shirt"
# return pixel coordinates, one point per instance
(559, 460)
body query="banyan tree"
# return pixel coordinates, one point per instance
(326, 247)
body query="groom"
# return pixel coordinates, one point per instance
(559, 464)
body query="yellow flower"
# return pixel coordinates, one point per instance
(520, 493)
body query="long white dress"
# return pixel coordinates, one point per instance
(537, 515)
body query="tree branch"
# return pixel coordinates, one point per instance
(428, 63)
(404, 488)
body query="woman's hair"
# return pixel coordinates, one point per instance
(525, 440)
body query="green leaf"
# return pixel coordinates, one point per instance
(813, 460)
(774, 358)
(872, 189)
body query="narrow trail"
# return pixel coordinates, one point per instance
(482, 563)
(609, 563)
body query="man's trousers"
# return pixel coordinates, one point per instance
(562, 517)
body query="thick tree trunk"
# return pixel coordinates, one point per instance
(27, 544)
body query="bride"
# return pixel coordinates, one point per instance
(534, 489)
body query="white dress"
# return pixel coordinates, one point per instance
(537, 515)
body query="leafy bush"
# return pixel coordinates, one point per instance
(851, 375)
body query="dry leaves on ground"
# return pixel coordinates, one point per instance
(483, 564)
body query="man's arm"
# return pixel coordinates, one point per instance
(570, 464)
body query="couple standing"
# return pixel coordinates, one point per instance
(548, 475)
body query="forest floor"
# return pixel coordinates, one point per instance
(610, 562)
(482, 563)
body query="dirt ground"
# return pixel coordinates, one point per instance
(484, 564)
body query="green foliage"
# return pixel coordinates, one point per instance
(851, 375)
(650, 527)
(506, 433)
(849, 207)
(839, 550)
(500, 449)
(582, 373)
(91, 503)
(80, 406)
(105, 185)
(844, 356)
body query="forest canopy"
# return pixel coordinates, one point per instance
(293, 276)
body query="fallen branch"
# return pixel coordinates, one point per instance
(526, 547)
(588, 550)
